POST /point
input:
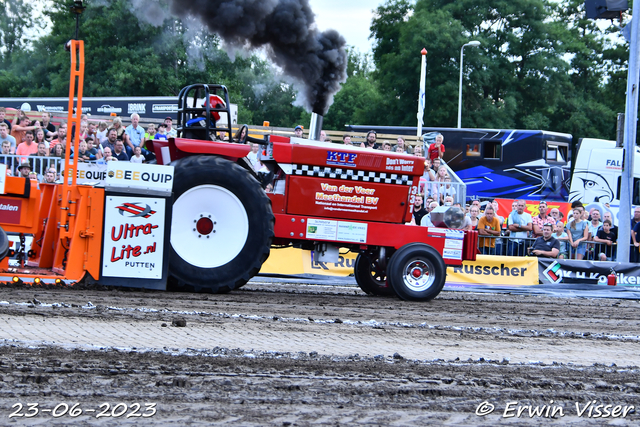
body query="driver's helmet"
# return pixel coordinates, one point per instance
(215, 102)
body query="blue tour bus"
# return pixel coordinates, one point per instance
(511, 164)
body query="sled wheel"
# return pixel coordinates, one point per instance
(371, 277)
(417, 272)
(4, 244)
(221, 226)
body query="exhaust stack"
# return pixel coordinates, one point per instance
(315, 126)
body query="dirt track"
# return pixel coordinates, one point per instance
(286, 355)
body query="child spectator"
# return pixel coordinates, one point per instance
(607, 239)
(161, 134)
(473, 217)
(83, 155)
(449, 190)
(562, 237)
(101, 134)
(151, 134)
(594, 225)
(401, 144)
(436, 150)
(137, 155)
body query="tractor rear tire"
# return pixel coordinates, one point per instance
(221, 228)
(417, 272)
(371, 278)
(4, 244)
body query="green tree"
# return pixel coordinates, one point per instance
(16, 17)
(359, 100)
(540, 64)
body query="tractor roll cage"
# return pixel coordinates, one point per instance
(196, 92)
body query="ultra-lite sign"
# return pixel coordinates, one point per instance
(133, 237)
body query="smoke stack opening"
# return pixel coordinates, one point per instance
(315, 126)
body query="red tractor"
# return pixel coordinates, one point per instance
(208, 222)
(321, 196)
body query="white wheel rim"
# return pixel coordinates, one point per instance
(419, 275)
(230, 229)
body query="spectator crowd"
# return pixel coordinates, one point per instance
(34, 148)
(589, 235)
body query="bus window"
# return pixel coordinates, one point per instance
(635, 194)
(473, 149)
(492, 149)
(557, 152)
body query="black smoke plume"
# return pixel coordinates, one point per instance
(287, 29)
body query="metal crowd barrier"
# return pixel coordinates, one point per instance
(39, 164)
(509, 246)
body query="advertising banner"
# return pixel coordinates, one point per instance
(496, 270)
(90, 173)
(505, 207)
(126, 175)
(487, 270)
(10, 210)
(133, 237)
(352, 200)
(554, 271)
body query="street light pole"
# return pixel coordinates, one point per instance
(474, 43)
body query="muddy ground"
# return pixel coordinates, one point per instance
(316, 355)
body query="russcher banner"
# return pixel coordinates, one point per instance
(496, 270)
(553, 271)
(296, 261)
(486, 270)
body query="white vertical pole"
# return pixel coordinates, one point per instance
(460, 88)
(630, 123)
(421, 95)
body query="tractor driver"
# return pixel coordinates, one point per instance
(200, 121)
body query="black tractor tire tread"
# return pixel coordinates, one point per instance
(369, 285)
(401, 257)
(201, 170)
(4, 244)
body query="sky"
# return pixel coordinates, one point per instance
(351, 18)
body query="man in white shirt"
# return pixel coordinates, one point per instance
(134, 135)
(520, 224)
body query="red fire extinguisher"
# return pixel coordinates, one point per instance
(611, 278)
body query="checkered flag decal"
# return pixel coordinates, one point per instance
(354, 175)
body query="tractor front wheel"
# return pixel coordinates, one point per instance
(221, 226)
(417, 272)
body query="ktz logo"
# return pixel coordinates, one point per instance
(341, 159)
(554, 272)
(135, 210)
